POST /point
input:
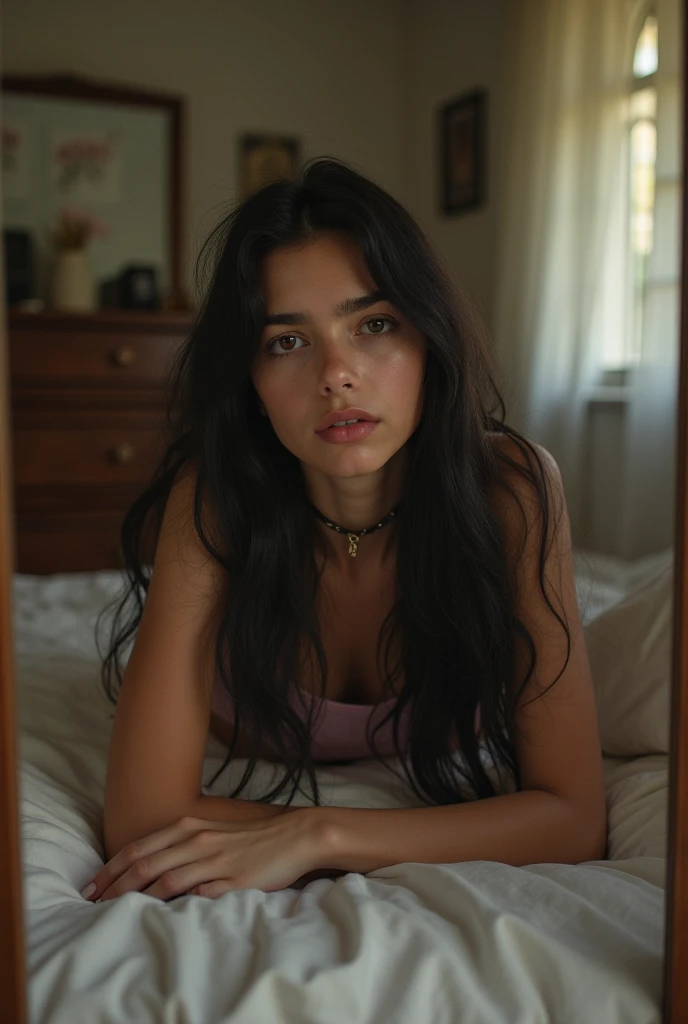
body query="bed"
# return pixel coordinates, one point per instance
(477, 942)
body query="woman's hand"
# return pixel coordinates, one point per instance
(208, 858)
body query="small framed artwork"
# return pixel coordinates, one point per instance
(264, 158)
(463, 138)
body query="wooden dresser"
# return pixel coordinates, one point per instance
(87, 405)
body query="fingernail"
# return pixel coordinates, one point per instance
(89, 890)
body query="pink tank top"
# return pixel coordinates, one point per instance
(338, 730)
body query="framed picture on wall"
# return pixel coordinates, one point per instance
(263, 158)
(462, 146)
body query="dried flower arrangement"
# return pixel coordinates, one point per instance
(75, 228)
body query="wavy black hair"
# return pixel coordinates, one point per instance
(455, 613)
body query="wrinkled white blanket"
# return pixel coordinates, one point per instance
(411, 943)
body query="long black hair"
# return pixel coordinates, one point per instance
(455, 612)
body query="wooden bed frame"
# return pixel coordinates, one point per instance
(13, 978)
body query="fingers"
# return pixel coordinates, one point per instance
(216, 887)
(131, 854)
(170, 872)
(183, 878)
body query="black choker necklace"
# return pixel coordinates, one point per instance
(354, 535)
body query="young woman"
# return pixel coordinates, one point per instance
(401, 584)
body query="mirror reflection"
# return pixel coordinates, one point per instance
(226, 229)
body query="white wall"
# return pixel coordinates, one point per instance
(328, 72)
(359, 80)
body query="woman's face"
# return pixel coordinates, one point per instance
(372, 359)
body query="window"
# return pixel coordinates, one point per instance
(645, 58)
(642, 150)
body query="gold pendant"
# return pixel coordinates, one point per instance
(353, 542)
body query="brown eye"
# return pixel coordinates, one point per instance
(287, 337)
(390, 321)
(279, 340)
(378, 321)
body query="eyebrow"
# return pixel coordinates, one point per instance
(345, 308)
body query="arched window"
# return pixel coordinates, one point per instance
(642, 127)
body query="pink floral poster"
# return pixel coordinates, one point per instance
(85, 166)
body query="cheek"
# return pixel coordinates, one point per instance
(403, 386)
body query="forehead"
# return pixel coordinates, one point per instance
(325, 268)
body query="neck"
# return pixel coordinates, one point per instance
(357, 504)
(375, 553)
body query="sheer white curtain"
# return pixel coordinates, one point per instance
(563, 201)
(647, 522)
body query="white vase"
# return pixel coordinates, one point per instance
(73, 289)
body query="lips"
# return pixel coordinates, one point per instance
(344, 414)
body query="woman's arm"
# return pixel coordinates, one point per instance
(528, 827)
(222, 808)
(160, 730)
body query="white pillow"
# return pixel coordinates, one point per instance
(629, 646)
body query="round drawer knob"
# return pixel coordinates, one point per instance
(123, 356)
(123, 453)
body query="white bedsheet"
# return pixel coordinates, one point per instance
(410, 943)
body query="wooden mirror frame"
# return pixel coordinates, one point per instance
(675, 996)
(82, 88)
(13, 979)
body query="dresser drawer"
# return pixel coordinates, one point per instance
(110, 360)
(110, 454)
(88, 404)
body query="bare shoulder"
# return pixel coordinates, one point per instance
(522, 455)
(526, 476)
(179, 539)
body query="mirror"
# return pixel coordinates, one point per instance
(540, 147)
(86, 156)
